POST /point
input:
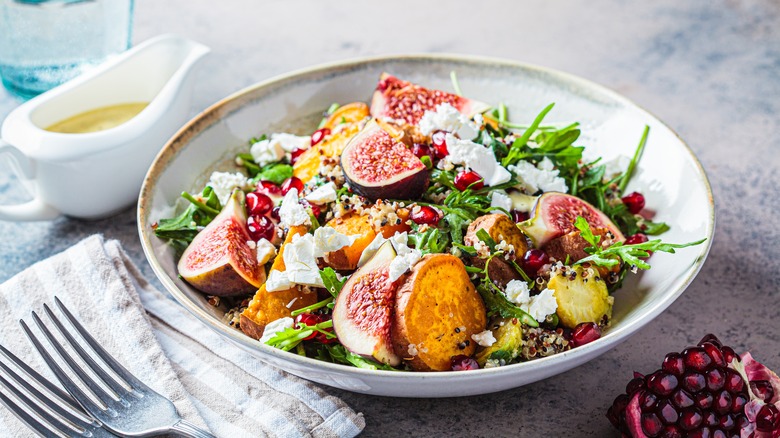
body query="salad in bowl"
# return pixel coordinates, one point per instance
(424, 231)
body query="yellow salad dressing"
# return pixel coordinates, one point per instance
(98, 119)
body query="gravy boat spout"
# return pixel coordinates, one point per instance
(95, 174)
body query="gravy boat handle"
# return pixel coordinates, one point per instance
(35, 209)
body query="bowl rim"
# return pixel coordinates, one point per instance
(213, 114)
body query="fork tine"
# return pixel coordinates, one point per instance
(52, 404)
(64, 396)
(107, 379)
(22, 415)
(66, 381)
(50, 419)
(120, 370)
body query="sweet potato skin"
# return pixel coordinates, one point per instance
(499, 227)
(437, 309)
(266, 307)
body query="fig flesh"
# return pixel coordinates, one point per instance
(378, 166)
(554, 214)
(219, 261)
(401, 100)
(362, 315)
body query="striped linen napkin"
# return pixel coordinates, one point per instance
(211, 382)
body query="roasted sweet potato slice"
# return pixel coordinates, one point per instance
(437, 310)
(500, 227)
(350, 113)
(308, 163)
(350, 224)
(266, 307)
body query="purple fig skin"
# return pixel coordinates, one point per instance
(407, 181)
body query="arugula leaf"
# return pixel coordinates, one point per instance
(331, 281)
(274, 172)
(515, 151)
(180, 230)
(635, 159)
(498, 304)
(483, 235)
(585, 232)
(337, 353)
(289, 338)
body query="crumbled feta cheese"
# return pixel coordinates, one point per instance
(485, 339)
(616, 166)
(291, 212)
(517, 292)
(447, 118)
(401, 264)
(327, 239)
(275, 327)
(223, 184)
(323, 194)
(265, 250)
(264, 152)
(499, 198)
(542, 177)
(399, 241)
(541, 305)
(412, 350)
(300, 262)
(479, 120)
(277, 280)
(478, 158)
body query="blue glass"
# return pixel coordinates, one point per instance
(44, 43)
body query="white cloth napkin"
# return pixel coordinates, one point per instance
(211, 382)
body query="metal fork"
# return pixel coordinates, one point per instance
(133, 409)
(60, 416)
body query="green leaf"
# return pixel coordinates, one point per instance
(289, 338)
(497, 304)
(180, 230)
(274, 172)
(585, 231)
(483, 235)
(634, 160)
(516, 149)
(337, 353)
(331, 281)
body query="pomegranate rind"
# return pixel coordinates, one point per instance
(554, 214)
(362, 315)
(378, 166)
(752, 370)
(634, 416)
(219, 261)
(401, 100)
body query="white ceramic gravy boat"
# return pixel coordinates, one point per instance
(94, 175)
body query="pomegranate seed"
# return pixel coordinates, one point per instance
(697, 359)
(722, 403)
(662, 383)
(421, 150)
(763, 389)
(704, 432)
(275, 213)
(533, 260)
(719, 434)
(295, 154)
(712, 339)
(713, 351)
(258, 203)
(690, 419)
(315, 209)
(318, 135)
(309, 319)
(648, 402)
(768, 419)
(703, 400)
(269, 188)
(710, 419)
(671, 432)
(290, 183)
(651, 424)
(322, 338)
(673, 364)
(729, 355)
(682, 399)
(465, 179)
(260, 227)
(440, 144)
(585, 333)
(462, 362)
(738, 403)
(742, 421)
(425, 215)
(635, 385)
(734, 383)
(667, 412)
(726, 422)
(636, 239)
(518, 216)
(694, 382)
(635, 202)
(715, 379)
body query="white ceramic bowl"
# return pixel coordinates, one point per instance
(669, 176)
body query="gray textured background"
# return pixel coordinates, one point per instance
(709, 68)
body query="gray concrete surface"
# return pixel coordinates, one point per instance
(709, 68)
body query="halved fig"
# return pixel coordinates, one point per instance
(378, 166)
(554, 215)
(219, 261)
(363, 312)
(401, 100)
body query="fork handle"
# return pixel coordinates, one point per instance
(186, 429)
